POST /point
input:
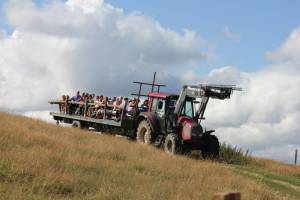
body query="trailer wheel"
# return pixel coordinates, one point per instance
(144, 133)
(172, 144)
(211, 147)
(76, 124)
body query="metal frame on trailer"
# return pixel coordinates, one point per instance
(85, 119)
(153, 85)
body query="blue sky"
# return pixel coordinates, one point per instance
(260, 25)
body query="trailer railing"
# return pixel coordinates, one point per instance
(64, 107)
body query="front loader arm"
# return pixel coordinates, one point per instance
(181, 100)
(204, 92)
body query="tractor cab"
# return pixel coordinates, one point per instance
(162, 107)
(164, 104)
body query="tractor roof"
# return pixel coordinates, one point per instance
(161, 95)
(158, 94)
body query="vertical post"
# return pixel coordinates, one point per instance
(105, 106)
(140, 90)
(123, 111)
(153, 82)
(85, 108)
(296, 156)
(59, 105)
(67, 107)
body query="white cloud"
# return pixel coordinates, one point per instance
(86, 45)
(289, 51)
(2, 34)
(264, 117)
(233, 36)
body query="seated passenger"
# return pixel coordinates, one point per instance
(113, 100)
(77, 97)
(108, 105)
(118, 106)
(102, 106)
(144, 106)
(73, 106)
(98, 102)
(95, 107)
(81, 105)
(90, 106)
(91, 98)
(131, 108)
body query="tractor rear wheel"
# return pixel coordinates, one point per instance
(144, 133)
(211, 147)
(172, 144)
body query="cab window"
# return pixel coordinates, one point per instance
(154, 105)
(188, 109)
(158, 105)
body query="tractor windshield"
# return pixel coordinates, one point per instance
(188, 109)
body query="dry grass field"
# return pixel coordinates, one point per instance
(42, 161)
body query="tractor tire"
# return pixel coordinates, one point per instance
(76, 124)
(211, 147)
(172, 144)
(144, 134)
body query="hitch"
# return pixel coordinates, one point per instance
(208, 132)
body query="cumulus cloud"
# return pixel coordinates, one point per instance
(2, 34)
(289, 51)
(264, 117)
(87, 45)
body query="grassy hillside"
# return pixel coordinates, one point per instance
(42, 161)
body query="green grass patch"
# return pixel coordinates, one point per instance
(234, 155)
(270, 175)
(283, 184)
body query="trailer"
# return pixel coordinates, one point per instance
(124, 126)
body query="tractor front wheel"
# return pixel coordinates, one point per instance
(211, 147)
(172, 144)
(144, 133)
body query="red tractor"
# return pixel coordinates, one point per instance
(173, 121)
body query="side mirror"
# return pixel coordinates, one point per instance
(160, 105)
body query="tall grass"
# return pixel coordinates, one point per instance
(42, 161)
(234, 155)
